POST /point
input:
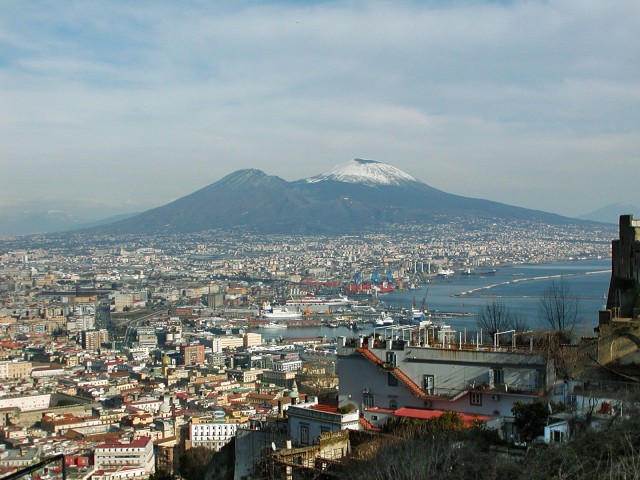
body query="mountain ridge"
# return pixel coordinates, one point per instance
(350, 197)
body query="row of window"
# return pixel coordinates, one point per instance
(496, 377)
(368, 400)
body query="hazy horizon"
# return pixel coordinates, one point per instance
(532, 104)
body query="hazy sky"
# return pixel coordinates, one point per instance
(535, 104)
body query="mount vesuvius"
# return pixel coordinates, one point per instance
(359, 194)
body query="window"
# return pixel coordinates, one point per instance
(475, 398)
(304, 434)
(429, 382)
(391, 359)
(392, 380)
(496, 377)
(557, 436)
(368, 400)
(393, 404)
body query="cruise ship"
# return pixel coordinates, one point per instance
(317, 303)
(278, 312)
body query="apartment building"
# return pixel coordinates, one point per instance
(287, 365)
(91, 340)
(220, 344)
(192, 354)
(211, 432)
(137, 454)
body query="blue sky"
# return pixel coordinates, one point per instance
(138, 103)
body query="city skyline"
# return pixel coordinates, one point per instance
(531, 104)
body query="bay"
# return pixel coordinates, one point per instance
(519, 287)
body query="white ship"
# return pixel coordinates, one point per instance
(418, 317)
(384, 321)
(270, 311)
(312, 300)
(273, 325)
(445, 272)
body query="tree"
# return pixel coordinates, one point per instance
(559, 306)
(162, 475)
(495, 317)
(446, 422)
(194, 463)
(529, 418)
(519, 323)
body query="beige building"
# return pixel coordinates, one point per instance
(252, 339)
(220, 344)
(15, 370)
(91, 340)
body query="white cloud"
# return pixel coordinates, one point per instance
(510, 102)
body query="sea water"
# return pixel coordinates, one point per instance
(520, 288)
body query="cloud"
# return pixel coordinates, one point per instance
(508, 101)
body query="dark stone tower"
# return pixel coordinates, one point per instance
(624, 290)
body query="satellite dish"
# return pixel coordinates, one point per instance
(273, 446)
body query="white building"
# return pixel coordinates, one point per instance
(219, 344)
(138, 453)
(486, 380)
(211, 432)
(287, 365)
(307, 421)
(122, 473)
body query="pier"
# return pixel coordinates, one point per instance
(474, 292)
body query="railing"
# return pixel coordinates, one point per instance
(603, 387)
(399, 374)
(44, 466)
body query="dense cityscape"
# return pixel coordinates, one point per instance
(156, 345)
(319, 240)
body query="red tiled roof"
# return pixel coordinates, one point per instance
(137, 443)
(325, 408)
(424, 414)
(368, 426)
(379, 409)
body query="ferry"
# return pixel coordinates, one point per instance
(270, 311)
(273, 325)
(417, 317)
(384, 321)
(445, 272)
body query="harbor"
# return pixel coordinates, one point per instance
(454, 302)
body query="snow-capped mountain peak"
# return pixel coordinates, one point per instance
(367, 172)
